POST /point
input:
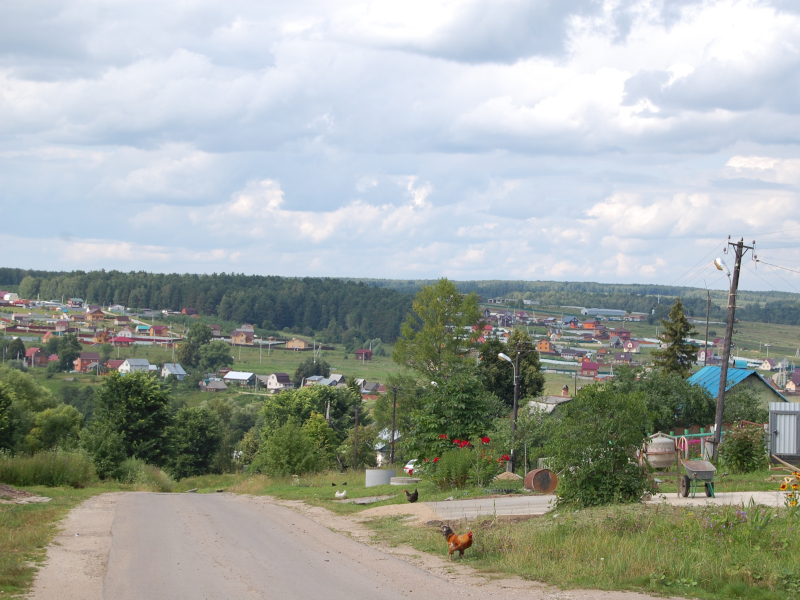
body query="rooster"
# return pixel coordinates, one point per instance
(412, 497)
(340, 495)
(456, 542)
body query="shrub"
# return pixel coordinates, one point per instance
(743, 450)
(51, 469)
(594, 443)
(467, 464)
(105, 448)
(136, 472)
(196, 436)
(288, 451)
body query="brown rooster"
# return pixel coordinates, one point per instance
(456, 542)
(412, 497)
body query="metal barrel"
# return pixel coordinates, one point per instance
(543, 481)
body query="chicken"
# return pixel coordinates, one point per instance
(412, 497)
(340, 495)
(456, 542)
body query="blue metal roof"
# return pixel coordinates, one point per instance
(708, 377)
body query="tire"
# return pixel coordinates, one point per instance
(709, 493)
(685, 485)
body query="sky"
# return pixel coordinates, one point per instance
(591, 140)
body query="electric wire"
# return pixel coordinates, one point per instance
(692, 271)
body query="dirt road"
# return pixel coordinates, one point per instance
(215, 546)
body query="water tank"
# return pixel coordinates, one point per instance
(379, 477)
(660, 451)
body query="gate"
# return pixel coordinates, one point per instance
(784, 428)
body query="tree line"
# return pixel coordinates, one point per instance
(269, 302)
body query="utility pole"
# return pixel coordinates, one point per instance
(512, 462)
(739, 249)
(708, 312)
(394, 410)
(355, 438)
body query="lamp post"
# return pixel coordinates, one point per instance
(514, 363)
(394, 410)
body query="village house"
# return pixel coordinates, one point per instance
(239, 337)
(158, 331)
(277, 382)
(102, 336)
(188, 311)
(114, 363)
(247, 327)
(87, 362)
(125, 332)
(34, 357)
(631, 346)
(623, 358)
(95, 316)
(75, 303)
(77, 318)
(121, 320)
(117, 308)
(708, 377)
(240, 377)
(298, 344)
(591, 324)
(768, 365)
(363, 354)
(794, 383)
(173, 369)
(212, 385)
(589, 369)
(62, 326)
(620, 332)
(134, 365)
(216, 330)
(569, 322)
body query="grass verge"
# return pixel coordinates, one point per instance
(714, 552)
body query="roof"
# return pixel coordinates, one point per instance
(282, 378)
(138, 362)
(53, 357)
(237, 376)
(114, 363)
(590, 366)
(708, 377)
(174, 369)
(216, 385)
(31, 352)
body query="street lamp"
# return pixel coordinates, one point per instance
(515, 364)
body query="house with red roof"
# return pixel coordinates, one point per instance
(158, 330)
(87, 362)
(34, 357)
(589, 369)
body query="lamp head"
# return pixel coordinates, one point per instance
(504, 357)
(721, 266)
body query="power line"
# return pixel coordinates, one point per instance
(691, 270)
(778, 266)
(782, 279)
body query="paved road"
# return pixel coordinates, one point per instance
(540, 504)
(204, 546)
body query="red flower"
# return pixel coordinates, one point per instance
(485, 440)
(443, 436)
(436, 459)
(410, 472)
(464, 444)
(505, 457)
(427, 459)
(456, 441)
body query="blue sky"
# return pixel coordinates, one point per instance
(615, 141)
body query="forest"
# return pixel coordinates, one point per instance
(272, 303)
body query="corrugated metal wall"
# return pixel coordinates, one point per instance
(784, 428)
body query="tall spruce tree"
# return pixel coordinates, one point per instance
(678, 354)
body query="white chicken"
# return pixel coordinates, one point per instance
(340, 495)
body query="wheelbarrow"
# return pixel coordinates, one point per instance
(697, 471)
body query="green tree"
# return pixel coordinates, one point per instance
(28, 287)
(498, 375)
(136, 406)
(105, 351)
(593, 445)
(438, 337)
(679, 354)
(213, 356)
(106, 446)
(16, 349)
(198, 336)
(367, 456)
(310, 367)
(6, 400)
(458, 407)
(28, 398)
(195, 436)
(671, 400)
(324, 437)
(743, 404)
(55, 428)
(69, 349)
(288, 451)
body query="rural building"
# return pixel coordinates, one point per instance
(602, 312)
(363, 354)
(298, 344)
(114, 363)
(216, 330)
(592, 324)
(125, 332)
(545, 347)
(75, 302)
(631, 346)
(279, 381)
(794, 383)
(102, 336)
(62, 326)
(86, 362)
(121, 320)
(569, 321)
(34, 357)
(620, 332)
(212, 385)
(159, 330)
(239, 377)
(77, 318)
(188, 311)
(173, 369)
(134, 365)
(589, 369)
(95, 315)
(708, 377)
(240, 337)
(768, 365)
(247, 327)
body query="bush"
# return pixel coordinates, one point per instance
(474, 464)
(137, 472)
(196, 436)
(52, 469)
(288, 451)
(743, 450)
(105, 448)
(594, 443)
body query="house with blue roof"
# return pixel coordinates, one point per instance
(708, 377)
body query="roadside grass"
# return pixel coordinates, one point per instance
(316, 489)
(703, 552)
(763, 480)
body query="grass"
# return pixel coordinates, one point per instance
(27, 529)
(659, 549)
(53, 468)
(758, 481)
